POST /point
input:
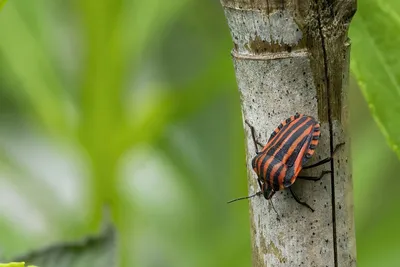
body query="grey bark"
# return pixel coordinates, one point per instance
(293, 56)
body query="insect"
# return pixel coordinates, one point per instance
(288, 149)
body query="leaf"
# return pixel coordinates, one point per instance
(13, 264)
(26, 62)
(375, 53)
(93, 251)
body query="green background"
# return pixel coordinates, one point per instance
(132, 106)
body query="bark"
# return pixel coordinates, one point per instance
(293, 56)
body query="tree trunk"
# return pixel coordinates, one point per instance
(293, 56)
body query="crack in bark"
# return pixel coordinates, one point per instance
(328, 87)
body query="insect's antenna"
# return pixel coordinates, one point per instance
(272, 204)
(241, 198)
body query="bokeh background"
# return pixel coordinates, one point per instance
(132, 106)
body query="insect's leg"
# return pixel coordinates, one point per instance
(318, 163)
(253, 134)
(324, 160)
(277, 214)
(313, 178)
(299, 201)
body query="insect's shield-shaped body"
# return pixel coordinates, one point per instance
(289, 147)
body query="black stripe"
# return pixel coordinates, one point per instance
(267, 175)
(312, 147)
(258, 158)
(307, 156)
(262, 167)
(296, 152)
(288, 121)
(315, 137)
(278, 139)
(272, 136)
(284, 150)
(276, 178)
(254, 161)
(288, 177)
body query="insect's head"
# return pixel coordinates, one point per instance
(268, 191)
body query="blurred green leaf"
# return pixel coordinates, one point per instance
(96, 251)
(374, 164)
(2, 3)
(147, 21)
(375, 54)
(14, 264)
(29, 65)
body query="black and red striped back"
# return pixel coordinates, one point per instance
(288, 149)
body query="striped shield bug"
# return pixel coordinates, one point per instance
(288, 149)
